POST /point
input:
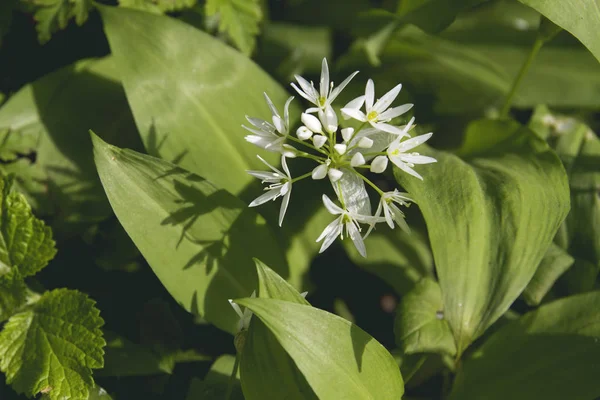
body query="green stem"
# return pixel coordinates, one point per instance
(310, 146)
(537, 45)
(312, 157)
(298, 178)
(374, 186)
(232, 377)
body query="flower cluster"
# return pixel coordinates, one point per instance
(342, 154)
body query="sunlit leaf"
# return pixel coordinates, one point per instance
(238, 19)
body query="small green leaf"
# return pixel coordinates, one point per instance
(580, 17)
(13, 294)
(198, 239)
(158, 6)
(491, 218)
(26, 243)
(551, 353)
(54, 15)
(338, 359)
(420, 326)
(53, 346)
(553, 265)
(239, 19)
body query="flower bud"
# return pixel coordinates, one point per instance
(347, 134)
(379, 164)
(335, 174)
(289, 151)
(303, 133)
(329, 119)
(340, 148)
(311, 122)
(357, 159)
(365, 143)
(319, 172)
(319, 141)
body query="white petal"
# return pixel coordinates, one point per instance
(347, 134)
(263, 198)
(309, 89)
(271, 106)
(279, 124)
(365, 143)
(417, 159)
(335, 174)
(357, 160)
(413, 142)
(302, 93)
(304, 133)
(405, 167)
(340, 148)
(379, 164)
(265, 176)
(286, 111)
(329, 119)
(389, 128)
(285, 167)
(319, 172)
(324, 83)
(311, 122)
(355, 113)
(289, 151)
(337, 230)
(236, 308)
(270, 166)
(387, 99)
(388, 215)
(335, 92)
(330, 228)
(356, 238)
(331, 206)
(372, 224)
(260, 124)
(394, 112)
(319, 141)
(369, 95)
(284, 204)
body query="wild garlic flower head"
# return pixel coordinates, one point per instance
(343, 154)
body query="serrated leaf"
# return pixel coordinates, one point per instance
(338, 359)
(491, 217)
(26, 244)
(420, 326)
(580, 17)
(551, 353)
(239, 19)
(553, 265)
(13, 294)
(199, 239)
(158, 6)
(54, 15)
(53, 346)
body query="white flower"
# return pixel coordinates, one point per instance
(280, 185)
(406, 161)
(270, 136)
(377, 114)
(347, 220)
(329, 119)
(326, 94)
(391, 211)
(245, 316)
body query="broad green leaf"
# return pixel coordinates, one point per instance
(43, 131)
(52, 346)
(198, 239)
(420, 326)
(26, 244)
(432, 15)
(13, 294)
(553, 265)
(97, 393)
(189, 108)
(238, 19)
(214, 385)
(338, 359)
(580, 17)
(157, 6)
(491, 218)
(551, 353)
(263, 357)
(54, 15)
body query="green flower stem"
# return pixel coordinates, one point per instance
(310, 146)
(232, 377)
(312, 157)
(374, 186)
(537, 45)
(299, 178)
(356, 131)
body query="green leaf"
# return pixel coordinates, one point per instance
(198, 239)
(420, 326)
(189, 108)
(491, 218)
(551, 353)
(239, 19)
(54, 15)
(273, 286)
(26, 244)
(53, 346)
(432, 15)
(580, 17)
(44, 141)
(338, 359)
(97, 393)
(214, 385)
(553, 265)
(158, 6)
(13, 294)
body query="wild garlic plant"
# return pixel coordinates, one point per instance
(342, 154)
